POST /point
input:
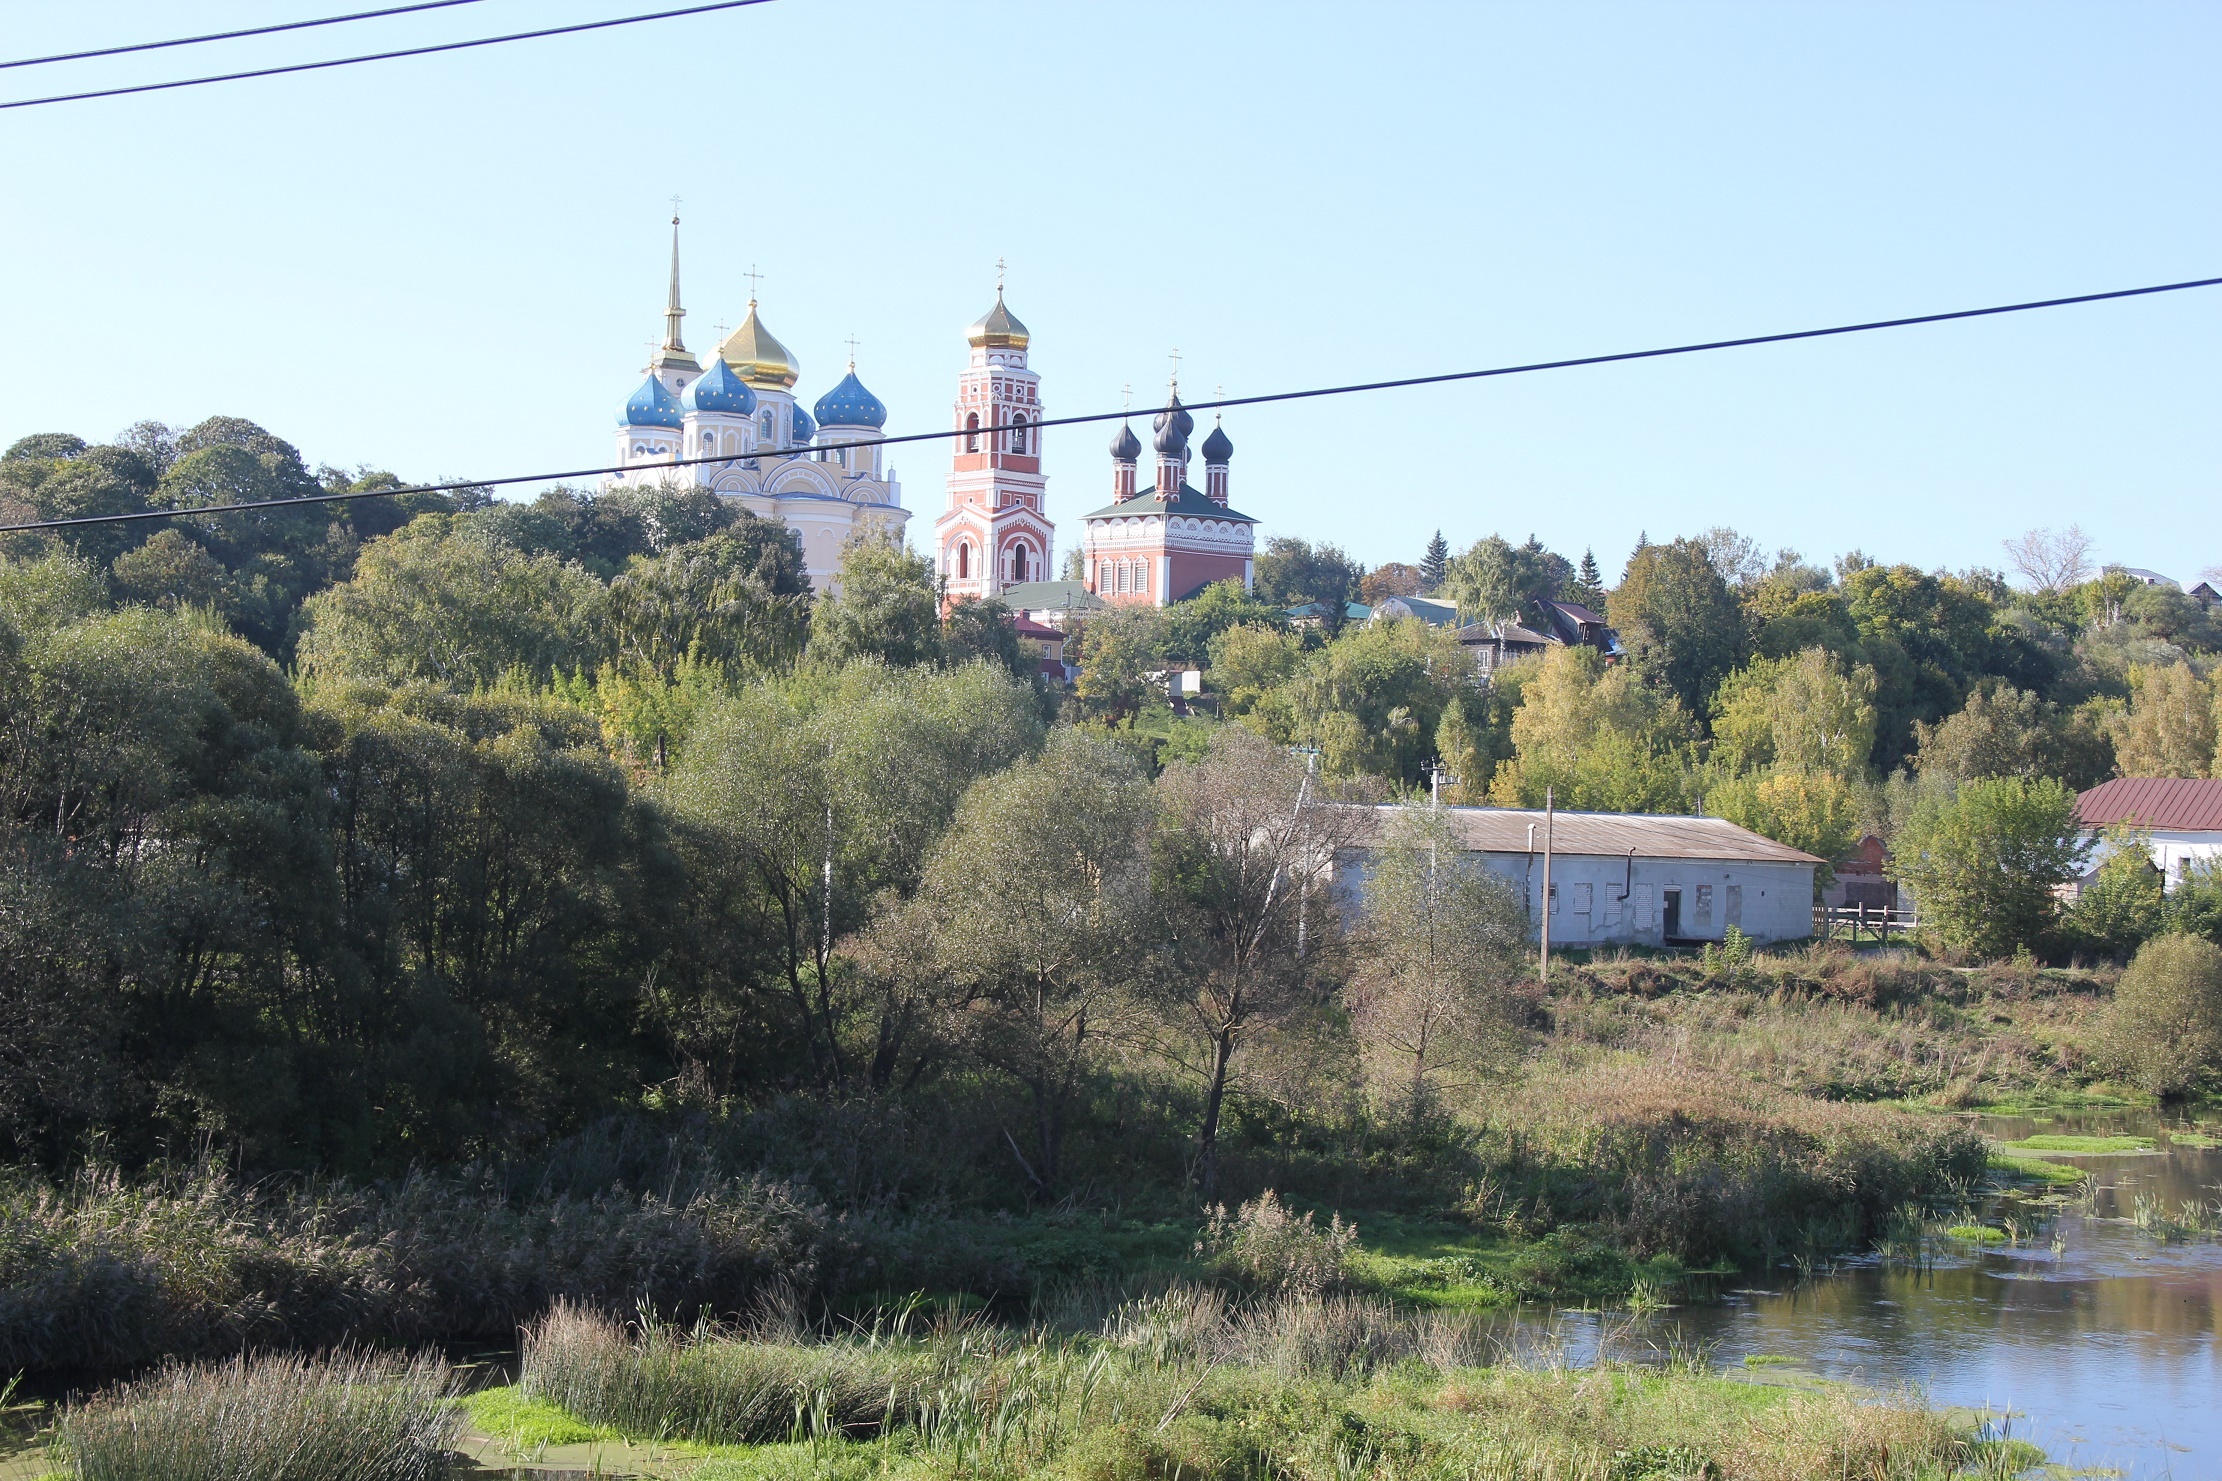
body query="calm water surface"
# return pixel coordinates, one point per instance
(2097, 1336)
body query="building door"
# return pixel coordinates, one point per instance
(1736, 905)
(1673, 913)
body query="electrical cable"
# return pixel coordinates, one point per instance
(380, 56)
(1113, 416)
(330, 20)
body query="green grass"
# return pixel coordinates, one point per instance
(2085, 1146)
(2198, 1139)
(2036, 1168)
(521, 1422)
(1766, 1360)
(1977, 1233)
(1186, 1384)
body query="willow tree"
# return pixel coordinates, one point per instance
(1440, 943)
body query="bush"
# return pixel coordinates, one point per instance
(1265, 1245)
(2163, 1032)
(352, 1417)
(1983, 864)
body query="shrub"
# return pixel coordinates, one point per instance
(351, 1417)
(1984, 862)
(1265, 1245)
(2123, 905)
(2163, 1031)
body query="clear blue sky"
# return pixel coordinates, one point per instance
(452, 265)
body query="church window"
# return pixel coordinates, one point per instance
(1104, 578)
(964, 562)
(1018, 433)
(1141, 575)
(770, 428)
(972, 433)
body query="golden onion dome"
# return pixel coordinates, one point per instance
(756, 357)
(998, 326)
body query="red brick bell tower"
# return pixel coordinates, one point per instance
(995, 534)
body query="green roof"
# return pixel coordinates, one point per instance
(1187, 501)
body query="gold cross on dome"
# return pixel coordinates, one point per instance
(1130, 395)
(998, 277)
(852, 352)
(1175, 357)
(754, 277)
(722, 328)
(675, 210)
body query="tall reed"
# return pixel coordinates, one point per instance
(350, 1417)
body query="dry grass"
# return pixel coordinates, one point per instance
(344, 1418)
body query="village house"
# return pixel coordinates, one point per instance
(2181, 818)
(1630, 879)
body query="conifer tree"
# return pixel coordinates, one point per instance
(1435, 563)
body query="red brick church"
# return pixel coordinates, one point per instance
(1154, 545)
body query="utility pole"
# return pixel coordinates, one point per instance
(1550, 828)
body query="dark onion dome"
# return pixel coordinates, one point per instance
(1178, 413)
(1218, 447)
(850, 405)
(720, 390)
(650, 406)
(1126, 447)
(998, 326)
(1173, 425)
(805, 429)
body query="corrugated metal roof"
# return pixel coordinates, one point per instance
(2153, 802)
(1504, 830)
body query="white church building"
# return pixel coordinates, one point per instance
(765, 450)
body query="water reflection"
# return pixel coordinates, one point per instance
(2099, 1337)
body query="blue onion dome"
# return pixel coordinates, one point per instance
(1173, 425)
(805, 429)
(650, 406)
(850, 405)
(1218, 447)
(721, 390)
(1126, 447)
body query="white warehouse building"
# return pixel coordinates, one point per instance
(1633, 879)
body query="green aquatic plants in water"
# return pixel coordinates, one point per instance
(349, 1417)
(2085, 1146)
(1195, 1383)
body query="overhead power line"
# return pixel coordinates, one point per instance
(381, 56)
(1403, 383)
(330, 20)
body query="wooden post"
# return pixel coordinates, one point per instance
(1550, 817)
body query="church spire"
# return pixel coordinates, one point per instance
(671, 356)
(672, 312)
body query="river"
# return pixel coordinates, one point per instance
(2095, 1338)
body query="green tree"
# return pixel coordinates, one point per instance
(1242, 853)
(1680, 623)
(983, 632)
(447, 601)
(882, 605)
(1120, 652)
(1290, 572)
(1251, 666)
(2004, 731)
(1035, 909)
(1811, 810)
(1191, 626)
(2124, 902)
(2163, 1031)
(1983, 863)
(1372, 698)
(828, 788)
(1497, 581)
(1442, 942)
(2169, 729)
(1435, 564)
(1806, 714)
(1597, 737)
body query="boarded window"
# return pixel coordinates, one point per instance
(1647, 912)
(1584, 898)
(1705, 904)
(1735, 904)
(1554, 899)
